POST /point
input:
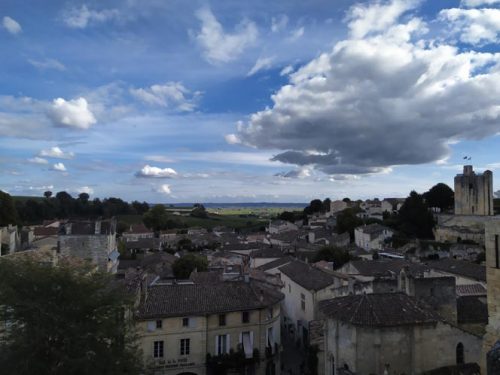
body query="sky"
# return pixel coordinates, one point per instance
(231, 101)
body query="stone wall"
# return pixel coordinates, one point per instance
(492, 242)
(474, 193)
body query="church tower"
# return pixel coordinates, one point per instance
(474, 193)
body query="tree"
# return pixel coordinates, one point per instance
(347, 221)
(316, 205)
(83, 197)
(199, 211)
(8, 212)
(333, 254)
(156, 218)
(440, 195)
(326, 205)
(183, 267)
(47, 194)
(64, 319)
(415, 219)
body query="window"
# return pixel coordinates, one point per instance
(302, 301)
(460, 353)
(245, 317)
(270, 338)
(246, 340)
(222, 319)
(185, 322)
(185, 346)
(159, 324)
(222, 344)
(158, 349)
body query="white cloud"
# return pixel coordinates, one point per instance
(232, 139)
(477, 3)
(44, 188)
(286, 70)
(262, 63)
(38, 160)
(375, 17)
(385, 97)
(155, 172)
(474, 26)
(279, 23)
(300, 173)
(171, 94)
(80, 18)
(219, 46)
(59, 167)
(11, 25)
(164, 189)
(56, 152)
(73, 113)
(85, 189)
(47, 64)
(297, 34)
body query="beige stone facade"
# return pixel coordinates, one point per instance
(492, 242)
(474, 193)
(206, 336)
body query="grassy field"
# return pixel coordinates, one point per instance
(258, 212)
(213, 220)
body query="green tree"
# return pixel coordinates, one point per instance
(8, 212)
(64, 320)
(440, 195)
(47, 194)
(333, 254)
(415, 219)
(316, 205)
(199, 211)
(183, 267)
(347, 221)
(156, 218)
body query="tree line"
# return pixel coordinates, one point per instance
(63, 206)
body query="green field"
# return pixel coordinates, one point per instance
(213, 220)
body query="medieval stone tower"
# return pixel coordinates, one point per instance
(492, 335)
(474, 193)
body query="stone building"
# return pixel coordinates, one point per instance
(474, 193)
(492, 242)
(94, 241)
(185, 327)
(389, 333)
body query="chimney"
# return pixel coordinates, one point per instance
(311, 237)
(98, 227)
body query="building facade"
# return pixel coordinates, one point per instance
(474, 193)
(188, 328)
(492, 242)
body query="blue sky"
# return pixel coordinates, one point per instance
(231, 101)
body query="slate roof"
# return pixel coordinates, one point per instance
(268, 252)
(385, 267)
(45, 231)
(207, 277)
(461, 268)
(196, 299)
(374, 228)
(275, 263)
(472, 309)
(310, 278)
(138, 229)
(378, 310)
(143, 243)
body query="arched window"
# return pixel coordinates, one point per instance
(460, 353)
